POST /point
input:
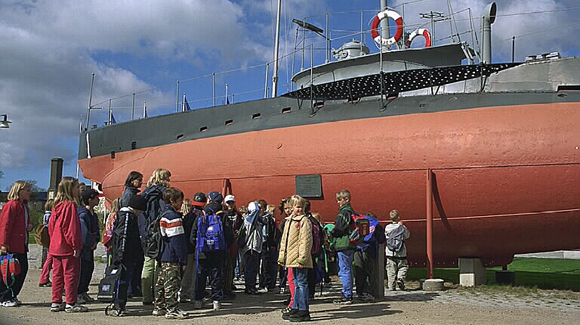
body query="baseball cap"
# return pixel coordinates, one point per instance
(229, 198)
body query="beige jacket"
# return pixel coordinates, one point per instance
(296, 243)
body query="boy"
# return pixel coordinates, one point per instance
(397, 266)
(343, 246)
(173, 258)
(91, 234)
(127, 249)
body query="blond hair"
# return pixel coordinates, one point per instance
(297, 200)
(316, 216)
(394, 215)
(18, 186)
(344, 194)
(49, 204)
(159, 176)
(186, 206)
(270, 208)
(116, 205)
(65, 190)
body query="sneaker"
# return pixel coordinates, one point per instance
(76, 308)
(263, 290)
(176, 314)
(198, 304)
(289, 313)
(300, 316)
(217, 305)
(401, 284)
(159, 312)
(115, 312)
(56, 307)
(286, 310)
(48, 284)
(81, 299)
(343, 301)
(10, 303)
(282, 290)
(17, 301)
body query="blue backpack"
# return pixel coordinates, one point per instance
(370, 237)
(210, 234)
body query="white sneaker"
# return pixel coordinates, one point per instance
(263, 290)
(176, 314)
(76, 308)
(9, 303)
(56, 307)
(158, 312)
(217, 305)
(18, 302)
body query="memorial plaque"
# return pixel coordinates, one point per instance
(309, 186)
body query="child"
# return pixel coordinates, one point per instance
(295, 251)
(91, 234)
(127, 249)
(397, 265)
(269, 265)
(173, 258)
(65, 247)
(14, 227)
(44, 280)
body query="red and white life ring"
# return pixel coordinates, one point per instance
(377, 20)
(420, 32)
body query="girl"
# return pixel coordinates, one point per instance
(44, 280)
(65, 247)
(14, 227)
(295, 254)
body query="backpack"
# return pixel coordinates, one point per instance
(361, 229)
(41, 236)
(317, 236)
(109, 284)
(9, 268)
(153, 244)
(329, 240)
(210, 234)
(396, 239)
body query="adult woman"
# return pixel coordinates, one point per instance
(132, 185)
(14, 227)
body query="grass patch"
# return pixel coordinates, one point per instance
(531, 273)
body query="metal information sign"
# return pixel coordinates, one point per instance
(309, 186)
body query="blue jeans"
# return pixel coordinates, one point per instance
(345, 272)
(301, 291)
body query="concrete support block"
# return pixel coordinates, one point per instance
(433, 285)
(505, 277)
(471, 272)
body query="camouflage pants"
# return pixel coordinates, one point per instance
(397, 268)
(167, 286)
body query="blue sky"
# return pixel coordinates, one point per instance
(48, 50)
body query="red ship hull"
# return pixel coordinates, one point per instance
(507, 179)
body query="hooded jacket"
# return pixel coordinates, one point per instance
(64, 229)
(296, 244)
(90, 231)
(171, 227)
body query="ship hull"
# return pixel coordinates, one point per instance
(507, 177)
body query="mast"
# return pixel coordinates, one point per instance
(384, 23)
(276, 52)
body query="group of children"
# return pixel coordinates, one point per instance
(160, 234)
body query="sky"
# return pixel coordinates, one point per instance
(49, 50)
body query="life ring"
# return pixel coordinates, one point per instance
(377, 20)
(420, 32)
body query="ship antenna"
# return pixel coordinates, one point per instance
(276, 52)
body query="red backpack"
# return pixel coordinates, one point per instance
(9, 268)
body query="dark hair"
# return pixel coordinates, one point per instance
(132, 177)
(282, 204)
(172, 194)
(307, 205)
(263, 204)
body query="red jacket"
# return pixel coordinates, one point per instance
(65, 230)
(12, 227)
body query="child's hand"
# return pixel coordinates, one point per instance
(76, 253)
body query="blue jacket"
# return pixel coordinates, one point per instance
(90, 231)
(171, 227)
(127, 195)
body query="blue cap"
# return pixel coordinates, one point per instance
(215, 197)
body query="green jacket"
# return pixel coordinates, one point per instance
(342, 228)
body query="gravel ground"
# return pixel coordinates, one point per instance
(452, 306)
